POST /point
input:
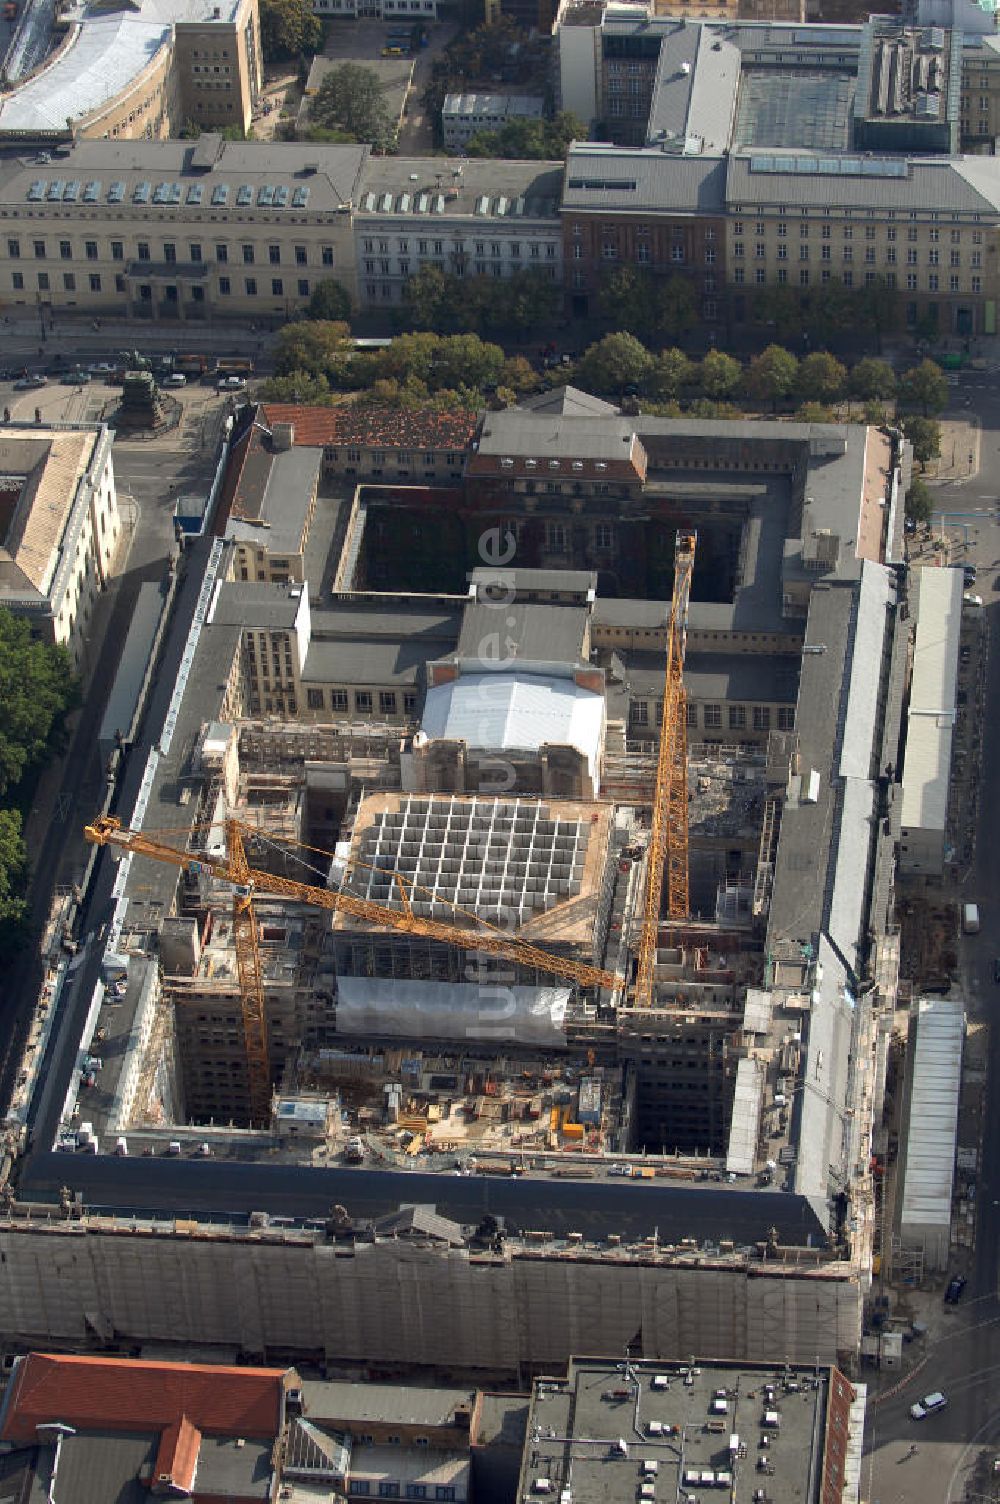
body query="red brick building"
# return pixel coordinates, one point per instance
(653, 212)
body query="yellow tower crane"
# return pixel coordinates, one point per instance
(668, 840)
(468, 932)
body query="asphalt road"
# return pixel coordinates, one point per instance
(963, 1346)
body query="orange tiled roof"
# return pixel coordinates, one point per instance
(376, 424)
(132, 1395)
(177, 1457)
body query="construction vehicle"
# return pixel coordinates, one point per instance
(192, 366)
(476, 934)
(234, 365)
(667, 854)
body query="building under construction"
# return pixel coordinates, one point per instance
(481, 934)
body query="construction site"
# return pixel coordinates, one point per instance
(593, 960)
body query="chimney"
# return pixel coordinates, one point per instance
(283, 435)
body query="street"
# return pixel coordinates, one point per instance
(150, 474)
(962, 1349)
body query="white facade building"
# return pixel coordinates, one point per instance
(474, 219)
(59, 526)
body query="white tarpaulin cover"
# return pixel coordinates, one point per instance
(452, 1010)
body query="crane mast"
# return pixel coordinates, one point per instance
(472, 933)
(667, 857)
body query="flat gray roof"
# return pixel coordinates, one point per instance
(533, 633)
(338, 1402)
(576, 1424)
(600, 179)
(432, 188)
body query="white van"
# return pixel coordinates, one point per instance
(970, 918)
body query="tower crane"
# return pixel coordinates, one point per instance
(468, 932)
(668, 841)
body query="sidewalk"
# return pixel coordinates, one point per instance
(961, 441)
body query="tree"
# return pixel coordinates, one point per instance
(821, 377)
(614, 363)
(718, 374)
(330, 302)
(313, 346)
(918, 504)
(771, 375)
(297, 386)
(830, 310)
(925, 436)
(523, 304)
(37, 689)
(519, 375)
(13, 872)
(780, 307)
(878, 308)
(464, 360)
(924, 386)
(672, 371)
(288, 29)
(529, 140)
(872, 380)
(813, 412)
(350, 99)
(624, 299)
(428, 297)
(674, 308)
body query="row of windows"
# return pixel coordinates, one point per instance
(458, 248)
(388, 1488)
(846, 255)
(640, 715)
(935, 283)
(168, 251)
(847, 231)
(825, 213)
(170, 293)
(338, 700)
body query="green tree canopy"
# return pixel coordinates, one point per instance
(350, 99)
(821, 377)
(428, 297)
(330, 302)
(878, 307)
(614, 363)
(297, 386)
(37, 689)
(924, 386)
(529, 140)
(872, 380)
(718, 374)
(781, 308)
(650, 307)
(772, 374)
(13, 873)
(672, 372)
(925, 436)
(919, 505)
(288, 29)
(313, 346)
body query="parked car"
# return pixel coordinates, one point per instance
(928, 1405)
(953, 1294)
(76, 377)
(29, 383)
(176, 378)
(969, 574)
(232, 383)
